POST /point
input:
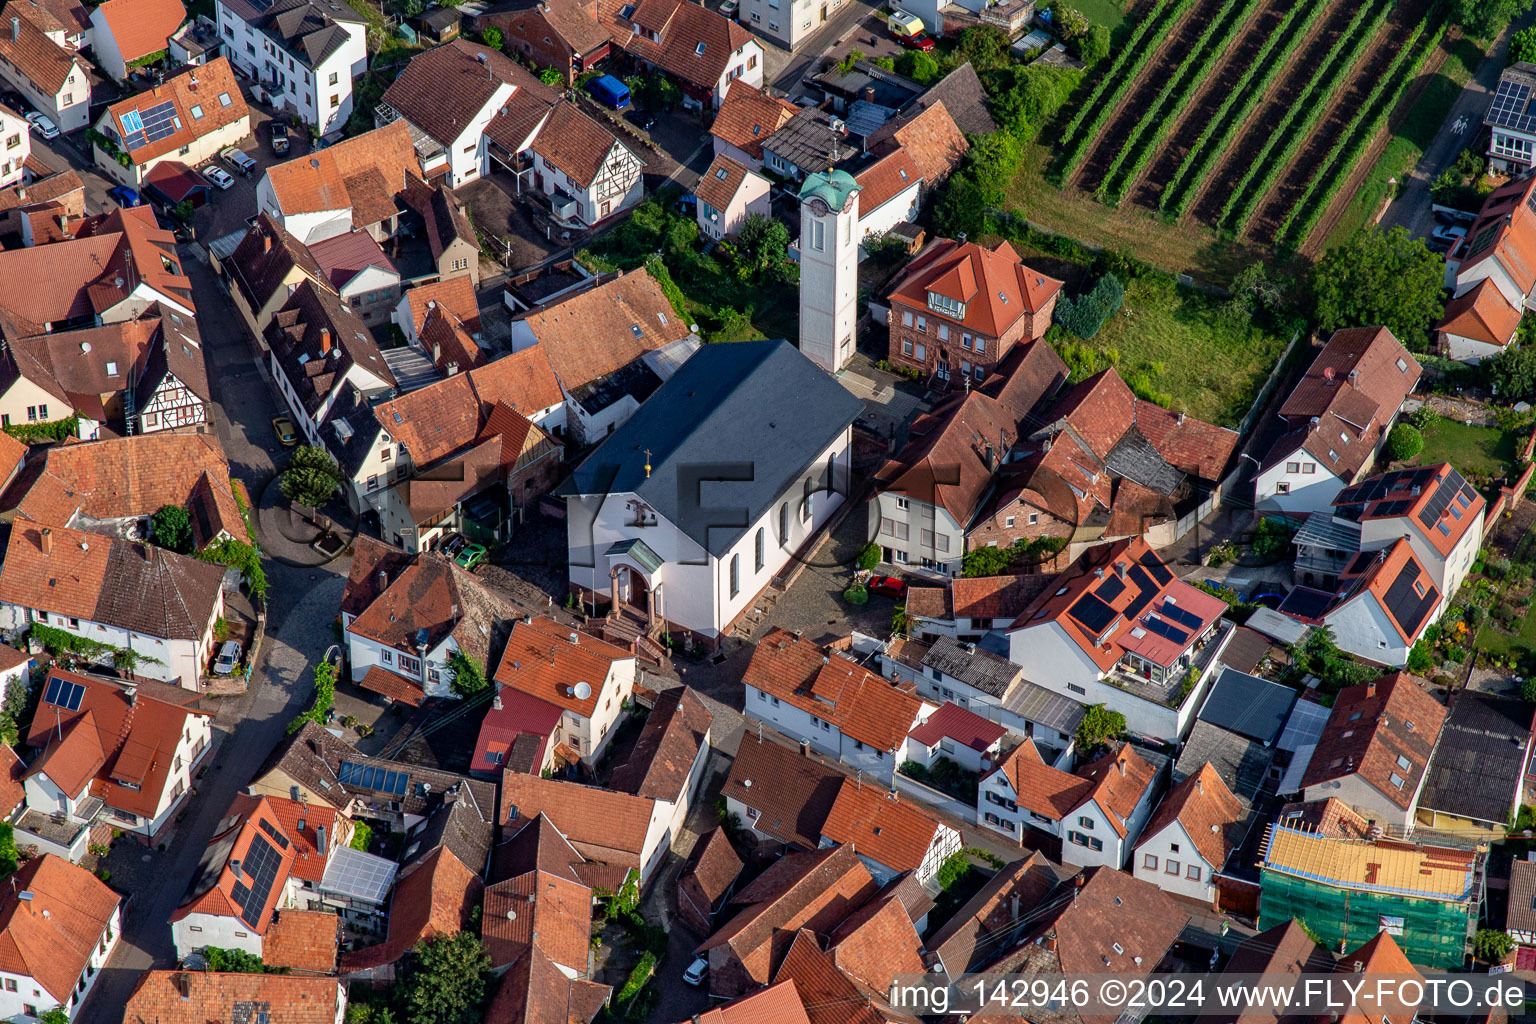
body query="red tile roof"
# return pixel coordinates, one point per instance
(52, 936)
(250, 818)
(1377, 576)
(538, 908)
(1370, 727)
(600, 824)
(205, 87)
(779, 1003)
(382, 681)
(674, 733)
(433, 898)
(43, 61)
(1482, 314)
(436, 596)
(792, 793)
(1408, 498)
(994, 286)
(827, 995)
(1505, 231)
(709, 872)
(1141, 577)
(323, 180)
(534, 991)
(954, 722)
(13, 789)
(1207, 810)
(1005, 903)
(142, 27)
(881, 826)
(876, 943)
(443, 90)
(547, 660)
(303, 940)
(863, 705)
(719, 184)
(343, 257)
(114, 736)
(592, 334)
(747, 116)
(455, 294)
(885, 179)
(695, 45)
(518, 715)
(204, 997)
(937, 145)
(574, 144)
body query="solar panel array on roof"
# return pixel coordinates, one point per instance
(1247, 705)
(368, 777)
(1510, 105)
(1405, 603)
(1437, 504)
(1183, 616)
(1378, 487)
(277, 837)
(1146, 590)
(1165, 629)
(1306, 603)
(1160, 572)
(1110, 588)
(1093, 613)
(1388, 509)
(1360, 563)
(260, 867)
(64, 693)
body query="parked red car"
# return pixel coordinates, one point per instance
(890, 586)
(921, 41)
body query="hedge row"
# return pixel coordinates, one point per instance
(1210, 147)
(1357, 137)
(1305, 113)
(1130, 51)
(1175, 95)
(1131, 74)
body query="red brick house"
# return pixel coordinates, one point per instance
(960, 309)
(562, 34)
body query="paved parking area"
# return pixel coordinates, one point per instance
(226, 212)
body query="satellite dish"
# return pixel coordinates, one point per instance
(583, 691)
(511, 915)
(85, 346)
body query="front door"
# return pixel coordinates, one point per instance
(943, 371)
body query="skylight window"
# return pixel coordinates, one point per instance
(757, 129)
(722, 174)
(111, 369)
(224, 99)
(903, 172)
(197, 111)
(1402, 367)
(699, 50)
(635, 330)
(1403, 762)
(627, 11)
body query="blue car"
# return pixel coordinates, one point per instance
(124, 196)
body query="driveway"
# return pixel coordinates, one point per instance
(1411, 209)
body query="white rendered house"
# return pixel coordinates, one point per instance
(1196, 828)
(15, 146)
(303, 54)
(687, 511)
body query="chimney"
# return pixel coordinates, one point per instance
(47, 542)
(266, 243)
(383, 578)
(320, 839)
(805, 748)
(1354, 378)
(183, 982)
(1120, 569)
(325, 341)
(293, 793)
(1370, 687)
(869, 94)
(234, 867)
(15, 29)
(437, 351)
(1199, 785)
(21, 192)
(1050, 942)
(1180, 419)
(1121, 762)
(132, 693)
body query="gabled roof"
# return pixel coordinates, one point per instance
(112, 735)
(456, 295)
(1482, 314)
(265, 258)
(1522, 896)
(43, 61)
(993, 285)
(662, 760)
(1000, 910)
(203, 100)
(245, 869)
(1394, 579)
(951, 457)
(1121, 597)
(827, 994)
(749, 115)
(724, 178)
(600, 824)
(199, 997)
(323, 180)
(881, 826)
(792, 793)
(885, 179)
(535, 991)
(53, 948)
(695, 45)
(317, 338)
(954, 722)
(1433, 501)
(1478, 764)
(142, 27)
(824, 683)
(430, 600)
(1116, 781)
(710, 871)
(546, 660)
(67, 16)
(1383, 957)
(120, 583)
(1284, 949)
(343, 257)
(574, 144)
(74, 484)
(936, 146)
(779, 1003)
(725, 398)
(1505, 231)
(444, 89)
(1208, 812)
(538, 899)
(964, 97)
(876, 943)
(601, 330)
(574, 20)
(439, 419)
(447, 221)
(1371, 727)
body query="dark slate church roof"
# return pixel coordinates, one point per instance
(755, 413)
(1477, 764)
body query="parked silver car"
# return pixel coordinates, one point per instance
(228, 659)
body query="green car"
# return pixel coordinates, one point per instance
(470, 556)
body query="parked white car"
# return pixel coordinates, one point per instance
(43, 125)
(220, 177)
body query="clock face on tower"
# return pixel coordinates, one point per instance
(819, 207)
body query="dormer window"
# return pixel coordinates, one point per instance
(627, 11)
(944, 304)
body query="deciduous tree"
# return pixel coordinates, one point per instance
(1386, 278)
(446, 982)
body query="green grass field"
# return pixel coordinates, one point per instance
(1212, 370)
(1103, 12)
(1484, 451)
